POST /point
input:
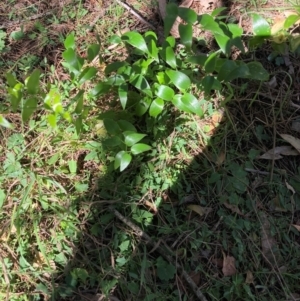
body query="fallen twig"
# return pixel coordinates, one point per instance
(136, 14)
(162, 252)
(265, 173)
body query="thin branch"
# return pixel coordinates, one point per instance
(135, 13)
(162, 252)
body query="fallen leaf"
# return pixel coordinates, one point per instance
(272, 82)
(297, 227)
(289, 187)
(221, 158)
(39, 260)
(6, 232)
(228, 265)
(196, 277)
(249, 278)
(151, 206)
(269, 245)
(295, 142)
(199, 209)
(275, 153)
(233, 208)
(278, 25)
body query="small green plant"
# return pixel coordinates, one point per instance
(153, 79)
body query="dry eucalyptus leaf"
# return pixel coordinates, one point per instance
(297, 227)
(249, 278)
(272, 83)
(295, 142)
(233, 208)
(221, 158)
(229, 268)
(275, 153)
(289, 187)
(199, 209)
(278, 25)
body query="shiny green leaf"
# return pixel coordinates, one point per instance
(100, 89)
(111, 126)
(199, 59)
(5, 123)
(210, 63)
(132, 138)
(217, 11)
(223, 42)
(208, 23)
(70, 41)
(186, 35)
(87, 74)
(93, 51)
(123, 94)
(51, 118)
(142, 106)
(72, 61)
(115, 80)
(156, 107)
(290, 21)
(122, 160)
(226, 68)
(29, 107)
(2, 195)
(114, 67)
(79, 105)
(169, 19)
(178, 103)
(187, 14)
(33, 82)
(141, 83)
(257, 71)
(260, 26)
(192, 103)
(136, 40)
(72, 166)
(168, 55)
(126, 126)
(179, 79)
(140, 148)
(164, 92)
(11, 80)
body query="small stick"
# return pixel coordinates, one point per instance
(162, 252)
(133, 12)
(257, 171)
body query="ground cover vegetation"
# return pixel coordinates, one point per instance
(149, 150)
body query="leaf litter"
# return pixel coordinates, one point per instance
(229, 268)
(278, 153)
